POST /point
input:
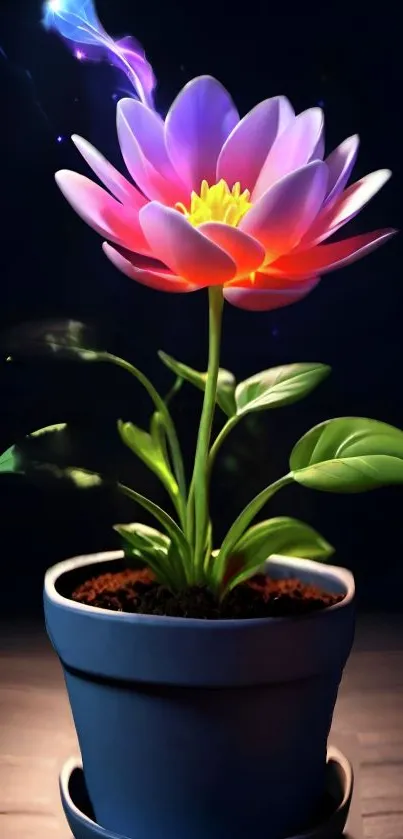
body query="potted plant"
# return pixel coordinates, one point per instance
(202, 678)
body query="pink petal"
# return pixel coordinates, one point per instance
(282, 215)
(262, 300)
(183, 248)
(325, 258)
(246, 252)
(340, 163)
(345, 207)
(141, 138)
(197, 125)
(103, 213)
(292, 149)
(110, 177)
(245, 150)
(159, 280)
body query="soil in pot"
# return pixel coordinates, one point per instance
(137, 591)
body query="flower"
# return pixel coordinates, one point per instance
(241, 203)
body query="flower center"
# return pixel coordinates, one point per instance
(217, 203)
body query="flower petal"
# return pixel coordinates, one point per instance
(345, 207)
(292, 149)
(319, 150)
(159, 280)
(340, 163)
(103, 213)
(283, 214)
(186, 251)
(247, 253)
(245, 150)
(197, 124)
(275, 297)
(117, 184)
(325, 258)
(141, 138)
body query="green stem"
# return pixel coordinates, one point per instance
(169, 425)
(229, 425)
(201, 468)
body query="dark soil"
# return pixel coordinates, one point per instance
(137, 591)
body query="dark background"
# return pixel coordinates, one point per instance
(52, 267)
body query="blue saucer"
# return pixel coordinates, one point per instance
(330, 824)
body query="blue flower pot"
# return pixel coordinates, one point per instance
(193, 729)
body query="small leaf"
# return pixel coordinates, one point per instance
(9, 460)
(172, 528)
(13, 459)
(278, 386)
(155, 549)
(240, 524)
(141, 536)
(349, 454)
(82, 478)
(225, 396)
(149, 449)
(282, 535)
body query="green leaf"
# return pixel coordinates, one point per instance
(149, 448)
(9, 461)
(242, 522)
(174, 531)
(13, 461)
(143, 537)
(147, 545)
(282, 535)
(155, 549)
(278, 386)
(225, 396)
(349, 454)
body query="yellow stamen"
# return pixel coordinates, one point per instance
(217, 203)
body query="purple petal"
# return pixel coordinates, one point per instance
(319, 150)
(118, 185)
(280, 218)
(346, 207)
(183, 248)
(245, 150)
(196, 127)
(263, 300)
(340, 163)
(292, 149)
(141, 138)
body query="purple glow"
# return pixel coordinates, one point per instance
(60, 138)
(77, 22)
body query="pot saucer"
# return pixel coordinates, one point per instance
(331, 819)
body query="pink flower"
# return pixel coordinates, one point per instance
(218, 200)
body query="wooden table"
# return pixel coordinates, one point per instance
(37, 734)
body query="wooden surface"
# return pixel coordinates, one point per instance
(36, 730)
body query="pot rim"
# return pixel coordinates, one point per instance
(342, 575)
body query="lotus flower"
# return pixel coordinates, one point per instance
(217, 200)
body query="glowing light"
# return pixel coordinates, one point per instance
(77, 22)
(60, 139)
